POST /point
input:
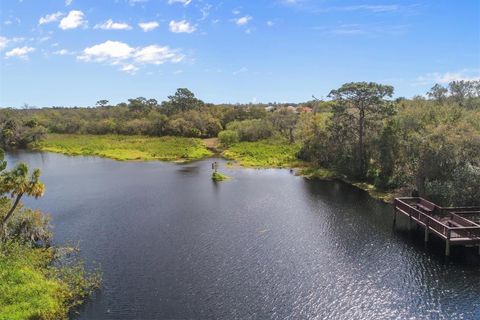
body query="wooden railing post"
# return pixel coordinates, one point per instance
(394, 215)
(426, 229)
(447, 243)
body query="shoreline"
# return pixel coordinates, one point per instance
(186, 150)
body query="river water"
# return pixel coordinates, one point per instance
(172, 244)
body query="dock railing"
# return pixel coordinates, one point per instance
(461, 230)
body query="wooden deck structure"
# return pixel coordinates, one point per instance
(456, 226)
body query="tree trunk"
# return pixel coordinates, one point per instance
(8, 215)
(420, 182)
(361, 142)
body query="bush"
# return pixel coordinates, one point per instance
(228, 137)
(252, 130)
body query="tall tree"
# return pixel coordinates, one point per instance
(181, 101)
(438, 93)
(102, 103)
(362, 102)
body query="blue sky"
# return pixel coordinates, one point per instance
(75, 52)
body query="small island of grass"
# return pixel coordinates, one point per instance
(217, 176)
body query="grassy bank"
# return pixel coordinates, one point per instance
(33, 287)
(38, 281)
(121, 147)
(26, 290)
(264, 154)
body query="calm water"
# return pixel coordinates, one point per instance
(266, 245)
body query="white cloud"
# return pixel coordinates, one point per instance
(62, 52)
(444, 78)
(111, 25)
(157, 55)
(73, 20)
(242, 20)
(205, 11)
(184, 2)
(3, 42)
(129, 68)
(371, 8)
(241, 70)
(270, 23)
(20, 52)
(112, 51)
(119, 53)
(148, 26)
(50, 18)
(181, 27)
(68, 2)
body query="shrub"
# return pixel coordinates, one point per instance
(228, 137)
(252, 130)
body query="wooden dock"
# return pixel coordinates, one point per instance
(456, 226)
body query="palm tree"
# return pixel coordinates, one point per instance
(17, 182)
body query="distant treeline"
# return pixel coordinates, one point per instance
(429, 144)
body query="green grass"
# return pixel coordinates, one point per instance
(26, 290)
(121, 147)
(317, 173)
(264, 154)
(217, 176)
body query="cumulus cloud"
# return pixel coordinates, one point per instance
(20, 52)
(181, 27)
(112, 51)
(184, 2)
(242, 20)
(68, 2)
(127, 57)
(111, 25)
(73, 20)
(50, 18)
(148, 26)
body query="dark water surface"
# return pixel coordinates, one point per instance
(265, 245)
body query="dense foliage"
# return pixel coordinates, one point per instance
(37, 281)
(430, 145)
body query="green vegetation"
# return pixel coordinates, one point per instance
(264, 153)
(217, 176)
(360, 135)
(27, 292)
(317, 173)
(428, 146)
(37, 281)
(121, 147)
(228, 137)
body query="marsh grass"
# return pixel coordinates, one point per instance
(272, 153)
(121, 147)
